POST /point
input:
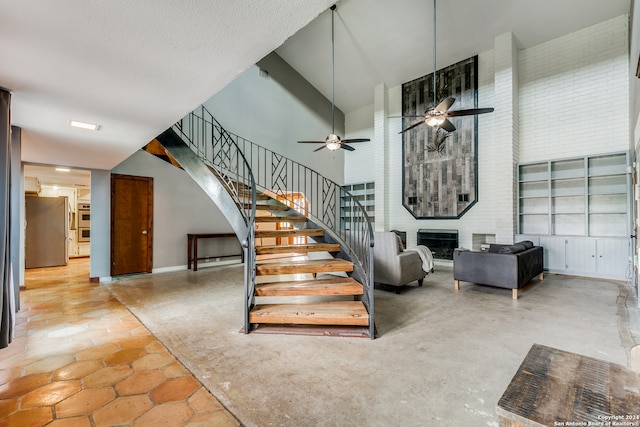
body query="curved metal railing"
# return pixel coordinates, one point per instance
(325, 202)
(208, 140)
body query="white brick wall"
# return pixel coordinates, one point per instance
(360, 124)
(574, 94)
(548, 100)
(506, 136)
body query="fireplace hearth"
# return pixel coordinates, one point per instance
(441, 243)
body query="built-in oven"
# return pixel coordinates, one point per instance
(84, 215)
(84, 235)
(84, 222)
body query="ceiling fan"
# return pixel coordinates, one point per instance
(333, 142)
(437, 116)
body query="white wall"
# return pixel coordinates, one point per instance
(179, 207)
(574, 94)
(279, 110)
(100, 245)
(359, 124)
(274, 112)
(559, 91)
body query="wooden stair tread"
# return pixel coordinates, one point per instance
(325, 313)
(264, 268)
(271, 218)
(246, 197)
(268, 207)
(298, 248)
(290, 233)
(319, 287)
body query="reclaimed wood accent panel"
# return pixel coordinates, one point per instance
(440, 176)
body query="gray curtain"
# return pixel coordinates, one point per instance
(7, 296)
(17, 200)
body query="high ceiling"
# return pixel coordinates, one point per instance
(136, 67)
(391, 42)
(133, 67)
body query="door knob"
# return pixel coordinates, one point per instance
(144, 231)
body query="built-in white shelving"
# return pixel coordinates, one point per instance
(579, 210)
(365, 194)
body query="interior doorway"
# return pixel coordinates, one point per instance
(42, 183)
(131, 224)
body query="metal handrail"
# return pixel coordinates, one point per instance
(208, 140)
(326, 203)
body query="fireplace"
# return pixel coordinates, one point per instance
(441, 243)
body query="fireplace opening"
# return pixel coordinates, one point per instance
(441, 243)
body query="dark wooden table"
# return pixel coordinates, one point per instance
(557, 388)
(192, 246)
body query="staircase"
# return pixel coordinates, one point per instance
(303, 273)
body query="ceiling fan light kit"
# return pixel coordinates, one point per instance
(333, 142)
(437, 116)
(434, 121)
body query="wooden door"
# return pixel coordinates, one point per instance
(131, 224)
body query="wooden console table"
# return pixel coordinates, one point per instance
(192, 246)
(558, 388)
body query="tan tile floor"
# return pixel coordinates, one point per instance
(81, 359)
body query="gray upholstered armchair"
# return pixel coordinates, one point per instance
(394, 266)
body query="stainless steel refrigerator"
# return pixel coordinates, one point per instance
(46, 231)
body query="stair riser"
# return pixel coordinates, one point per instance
(307, 321)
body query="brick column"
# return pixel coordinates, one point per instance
(506, 136)
(381, 163)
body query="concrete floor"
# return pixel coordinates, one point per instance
(442, 358)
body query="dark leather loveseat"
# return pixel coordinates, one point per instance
(503, 266)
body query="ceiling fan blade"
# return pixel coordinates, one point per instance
(412, 126)
(470, 112)
(351, 141)
(312, 142)
(445, 105)
(447, 125)
(406, 117)
(318, 149)
(347, 147)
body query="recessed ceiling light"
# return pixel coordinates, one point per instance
(83, 125)
(63, 169)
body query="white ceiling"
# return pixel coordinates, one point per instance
(136, 67)
(133, 67)
(48, 175)
(391, 42)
